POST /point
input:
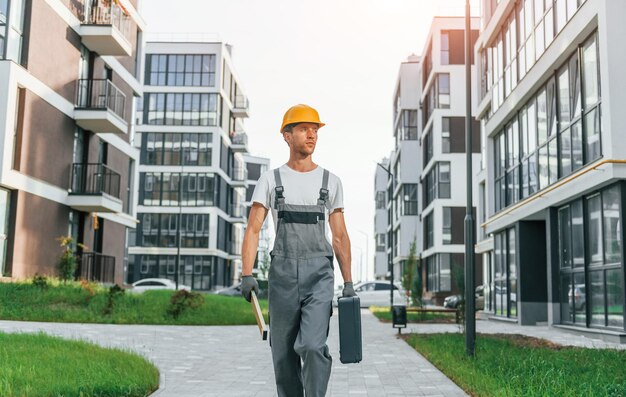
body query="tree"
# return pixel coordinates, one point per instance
(416, 289)
(67, 260)
(264, 265)
(409, 271)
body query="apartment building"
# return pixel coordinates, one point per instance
(381, 219)
(192, 177)
(69, 73)
(256, 166)
(551, 105)
(443, 160)
(402, 184)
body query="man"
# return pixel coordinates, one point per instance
(303, 198)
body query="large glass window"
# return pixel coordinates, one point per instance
(160, 230)
(505, 274)
(198, 272)
(408, 125)
(173, 189)
(410, 199)
(176, 148)
(429, 231)
(438, 96)
(436, 183)
(590, 260)
(438, 271)
(555, 137)
(446, 230)
(445, 48)
(427, 147)
(182, 109)
(380, 200)
(181, 69)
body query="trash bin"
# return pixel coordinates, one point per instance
(398, 315)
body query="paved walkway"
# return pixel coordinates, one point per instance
(197, 361)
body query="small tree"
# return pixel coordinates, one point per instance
(68, 260)
(416, 288)
(409, 271)
(458, 275)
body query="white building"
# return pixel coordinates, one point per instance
(192, 171)
(552, 98)
(381, 219)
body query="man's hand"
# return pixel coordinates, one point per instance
(248, 284)
(348, 290)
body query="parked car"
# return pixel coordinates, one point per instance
(452, 301)
(235, 290)
(375, 293)
(149, 284)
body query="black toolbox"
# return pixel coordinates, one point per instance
(350, 342)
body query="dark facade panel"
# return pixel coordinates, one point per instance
(457, 135)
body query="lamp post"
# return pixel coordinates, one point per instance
(470, 320)
(367, 254)
(393, 188)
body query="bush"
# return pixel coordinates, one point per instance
(114, 292)
(40, 281)
(183, 300)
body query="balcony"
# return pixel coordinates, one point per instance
(239, 177)
(241, 106)
(239, 142)
(100, 106)
(106, 29)
(237, 213)
(97, 267)
(94, 188)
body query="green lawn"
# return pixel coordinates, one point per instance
(384, 315)
(514, 365)
(41, 365)
(75, 303)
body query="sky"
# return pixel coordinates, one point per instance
(340, 56)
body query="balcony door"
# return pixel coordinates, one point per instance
(5, 205)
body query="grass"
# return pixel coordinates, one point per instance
(384, 315)
(515, 365)
(41, 365)
(76, 303)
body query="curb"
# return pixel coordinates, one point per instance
(161, 386)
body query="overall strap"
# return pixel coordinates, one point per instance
(324, 189)
(279, 189)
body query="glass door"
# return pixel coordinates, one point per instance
(5, 203)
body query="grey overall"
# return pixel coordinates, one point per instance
(301, 281)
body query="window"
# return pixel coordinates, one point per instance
(446, 232)
(380, 200)
(176, 148)
(551, 136)
(182, 109)
(380, 242)
(436, 183)
(590, 260)
(160, 230)
(438, 273)
(445, 48)
(410, 199)
(445, 135)
(181, 69)
(505, 274)
(429, 232)
(428, 147)
(438, 96)
(166, 189)
(202, 277)
(408, 125)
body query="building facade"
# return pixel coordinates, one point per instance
(551, 106)
(69, 72)
(192, 176)
(381, 219)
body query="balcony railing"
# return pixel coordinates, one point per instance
(240, 138)
(109, 13)
(241, 102)
(94, 179)
(97, 267)
(100, 94)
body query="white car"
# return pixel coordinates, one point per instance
(149, 284)
(375, 293)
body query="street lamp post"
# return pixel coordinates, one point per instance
(393, 187)
(470, 320)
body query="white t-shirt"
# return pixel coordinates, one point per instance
(302, 188)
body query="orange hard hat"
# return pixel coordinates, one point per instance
(301, 114)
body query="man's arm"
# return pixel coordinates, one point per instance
(251, 238)
(341, 243)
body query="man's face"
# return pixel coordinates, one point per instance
(303, 138)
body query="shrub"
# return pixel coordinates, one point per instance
(115, 291)
(67, 261)
(183, 300)
(40, 281)
(89, 288)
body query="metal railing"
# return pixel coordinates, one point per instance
(97, 267)
(240, 102)
(100, 94)
(109, 12)
(94, 179)
(240, 138)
